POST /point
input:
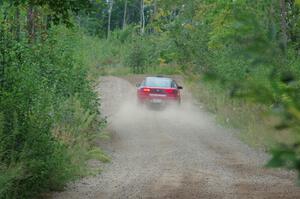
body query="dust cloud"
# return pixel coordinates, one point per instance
(119, 103)
(176, 152)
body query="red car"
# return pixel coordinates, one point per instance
(158, 90)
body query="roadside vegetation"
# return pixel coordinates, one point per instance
(240, 58)
(49, 115)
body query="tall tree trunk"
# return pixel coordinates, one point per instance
(2, 51)
(17, 23)
(283, 16)
(142, 22)
(31, 24)
(153, 17)
(111, 3)
(17, 32)
(48, 22)
(154, 10)
(11, 19)
(3, 47)
(125, 15)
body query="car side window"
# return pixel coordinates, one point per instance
(173, 84)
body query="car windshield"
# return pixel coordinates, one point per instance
(158, 82)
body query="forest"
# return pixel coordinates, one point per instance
(240, 57)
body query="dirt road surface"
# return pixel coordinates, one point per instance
(178, 153)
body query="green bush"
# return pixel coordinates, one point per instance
(44, 96)
(137, 58)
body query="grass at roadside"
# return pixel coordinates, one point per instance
(253, 122)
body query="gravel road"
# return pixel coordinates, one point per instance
(175, 153)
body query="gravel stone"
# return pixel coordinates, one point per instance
(179, 153)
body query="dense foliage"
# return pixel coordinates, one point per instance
(48, 109)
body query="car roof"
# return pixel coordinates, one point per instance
(158, 77)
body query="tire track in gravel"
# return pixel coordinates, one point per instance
(175, 153)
